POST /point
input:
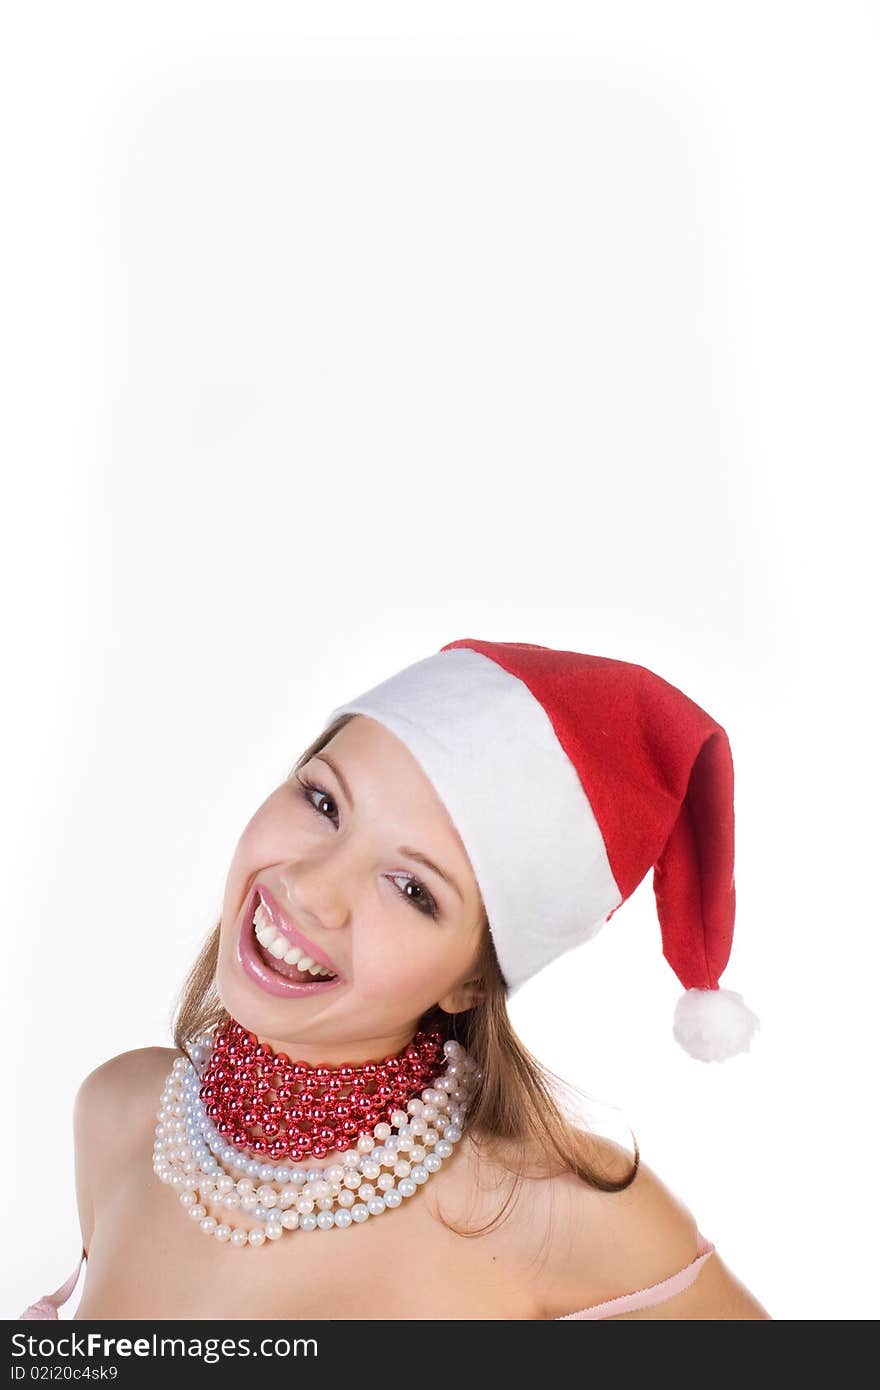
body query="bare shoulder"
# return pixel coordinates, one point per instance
(600, 1245)
(114, 1107)
(122, 1081)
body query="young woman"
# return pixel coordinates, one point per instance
(347, 1125)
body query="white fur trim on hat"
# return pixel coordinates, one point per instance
(530, 832)
(713, 1024)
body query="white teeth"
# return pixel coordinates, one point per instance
(280, 947)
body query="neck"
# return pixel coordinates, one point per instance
(338, 1054)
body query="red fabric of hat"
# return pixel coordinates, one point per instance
(569, 777)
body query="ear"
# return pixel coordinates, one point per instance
(462, 997)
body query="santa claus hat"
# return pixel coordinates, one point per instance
(568, 777)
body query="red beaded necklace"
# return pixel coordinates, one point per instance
(298, 1109)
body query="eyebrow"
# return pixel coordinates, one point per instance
(404, 849)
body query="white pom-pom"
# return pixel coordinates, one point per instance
(713, 1024)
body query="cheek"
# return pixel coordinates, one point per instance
(405, 967)
(268, 838)
(269, 831)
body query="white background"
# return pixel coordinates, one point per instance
(334, 333)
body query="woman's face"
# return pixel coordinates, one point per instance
(399, 936)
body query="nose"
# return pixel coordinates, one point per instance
(316, 894)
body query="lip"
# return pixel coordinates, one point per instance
(253, 965)
(286, 927)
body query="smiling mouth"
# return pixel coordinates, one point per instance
(279, 954)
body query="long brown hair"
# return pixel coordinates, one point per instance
(515, 1108)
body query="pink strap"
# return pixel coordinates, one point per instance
(48, 1305)
(656, 1293)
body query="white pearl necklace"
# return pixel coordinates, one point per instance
(190, 1154)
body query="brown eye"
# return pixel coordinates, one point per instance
(309, 791)
(424, 903)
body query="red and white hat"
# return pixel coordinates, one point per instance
(568, 777)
